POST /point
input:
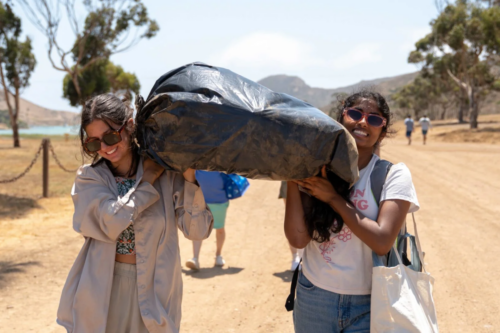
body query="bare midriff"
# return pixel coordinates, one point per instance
(125, 258)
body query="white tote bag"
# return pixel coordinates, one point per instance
(401, 297)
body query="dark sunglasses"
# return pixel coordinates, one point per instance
(371, 119)
(112, 138)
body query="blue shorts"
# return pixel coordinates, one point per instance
(424, 132)
(408, 133)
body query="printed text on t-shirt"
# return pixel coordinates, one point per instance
(357, 199)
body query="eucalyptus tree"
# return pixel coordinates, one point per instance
(464, 41)
(17, 63)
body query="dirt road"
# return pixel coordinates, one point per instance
(458, 186)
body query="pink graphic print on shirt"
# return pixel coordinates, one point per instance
(361, 204)
(327, 247)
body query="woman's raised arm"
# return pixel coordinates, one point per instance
(295, 225)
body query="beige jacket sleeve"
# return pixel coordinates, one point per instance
(193, 216)
(99, 214)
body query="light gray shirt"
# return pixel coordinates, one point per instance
(409, 124)
(425, 123)
(100, 216)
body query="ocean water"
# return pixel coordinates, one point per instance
(48, 130)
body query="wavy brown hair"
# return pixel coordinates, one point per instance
(110, 109)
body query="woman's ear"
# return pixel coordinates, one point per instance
(381, 137)
(130, 125)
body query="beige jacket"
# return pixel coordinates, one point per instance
(100, 216)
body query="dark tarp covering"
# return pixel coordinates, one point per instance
(209, 118)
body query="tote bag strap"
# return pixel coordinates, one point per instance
(417, 240)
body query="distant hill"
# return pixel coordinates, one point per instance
(296, 87)
(322, 98)
(36, 115)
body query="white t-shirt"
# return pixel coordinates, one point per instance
(425, 123)
(344, 264)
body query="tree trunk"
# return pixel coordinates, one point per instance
(474, 111)
(15, 135)
(462, 106)
(12, 115)
(74, 78)
(443, 114)
(15, 127)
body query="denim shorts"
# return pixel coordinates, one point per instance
(322, 311)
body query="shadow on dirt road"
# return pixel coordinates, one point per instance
(8, 267)
(16, 207)
(208, 273)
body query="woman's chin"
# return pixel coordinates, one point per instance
(113, 158)
(364, 144)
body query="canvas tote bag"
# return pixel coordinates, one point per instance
(401, 297)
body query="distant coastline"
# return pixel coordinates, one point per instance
(46, 130)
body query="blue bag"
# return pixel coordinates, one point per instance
(235, 185)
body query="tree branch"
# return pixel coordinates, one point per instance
(92, 61)
(461, 84)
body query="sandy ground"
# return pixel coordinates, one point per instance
(458, 186)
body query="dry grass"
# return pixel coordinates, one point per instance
(482, 135)
(19, 197)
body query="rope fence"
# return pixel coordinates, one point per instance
(45, 147)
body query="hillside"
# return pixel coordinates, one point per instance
(321, 98)
(35, 115)
(295, 86)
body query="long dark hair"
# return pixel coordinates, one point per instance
(321, 220)
(108, 108)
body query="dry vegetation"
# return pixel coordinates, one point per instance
(19, 197)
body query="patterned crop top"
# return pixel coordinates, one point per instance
(126, 241)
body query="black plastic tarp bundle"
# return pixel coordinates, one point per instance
(209, 118)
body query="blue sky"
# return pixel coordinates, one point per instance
(327, 43)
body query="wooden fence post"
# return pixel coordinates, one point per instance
(46, 143)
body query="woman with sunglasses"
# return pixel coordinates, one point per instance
(334, 286)
(127, 277)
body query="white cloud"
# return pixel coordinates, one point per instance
(276, 52)
(266, 50)
(366, 53)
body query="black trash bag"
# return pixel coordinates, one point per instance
(209, 118)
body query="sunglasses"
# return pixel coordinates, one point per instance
(371, 119)
(112, 138)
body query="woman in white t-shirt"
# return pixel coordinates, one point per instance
(334, 286)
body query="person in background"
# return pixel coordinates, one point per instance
(296, 253)
(409, 128)
(425, 122)
(215, 189)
